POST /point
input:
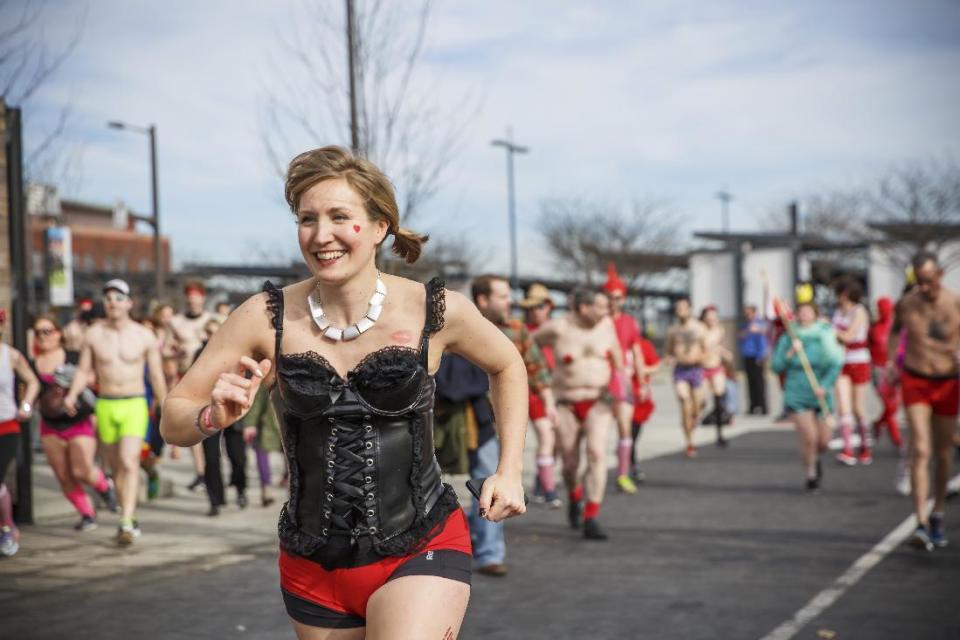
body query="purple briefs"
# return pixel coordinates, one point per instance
(692, 374)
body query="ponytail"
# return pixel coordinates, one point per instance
(408, 244)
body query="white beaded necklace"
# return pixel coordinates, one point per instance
(353, 331)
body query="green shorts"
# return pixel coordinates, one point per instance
(121, 417)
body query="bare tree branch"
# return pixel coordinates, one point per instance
(410, 137)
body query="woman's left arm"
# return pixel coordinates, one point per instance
(469, 334)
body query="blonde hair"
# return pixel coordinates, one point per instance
(326, 163)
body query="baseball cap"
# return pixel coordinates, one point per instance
(117, 285)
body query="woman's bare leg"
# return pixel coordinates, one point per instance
(417, 608)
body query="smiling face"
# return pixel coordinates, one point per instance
(47, 334)
(337, 238)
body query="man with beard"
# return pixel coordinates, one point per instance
(588, 354)
(930, 316)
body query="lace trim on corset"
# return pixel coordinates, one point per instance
(425, 526)
(274, 305)
(395, 364)
(436, 306)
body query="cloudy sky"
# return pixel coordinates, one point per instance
(616, 100)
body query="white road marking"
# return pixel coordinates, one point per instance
(825, 599)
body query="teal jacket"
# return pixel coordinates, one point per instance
(826, 359)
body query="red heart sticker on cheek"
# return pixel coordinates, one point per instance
(356, 228)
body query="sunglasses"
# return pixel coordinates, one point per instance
(115, 296)
(46, 331)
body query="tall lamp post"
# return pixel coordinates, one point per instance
(154, 219)
(725, 197)
(511, 148)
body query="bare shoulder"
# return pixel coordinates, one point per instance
(457, 308)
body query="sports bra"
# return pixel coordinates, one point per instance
(364, 479)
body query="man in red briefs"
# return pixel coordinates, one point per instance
(628, 334)
(930, 315)
(587, 351)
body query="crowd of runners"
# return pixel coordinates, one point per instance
(97, 384)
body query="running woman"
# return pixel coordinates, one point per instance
(851, 320)
(817, 342)
(686, 347)
(588, 352)
(621, 387)
(117, 350)
(373, 544)
(930, 316)
(714, 371)
(69, 442)
(12, 364)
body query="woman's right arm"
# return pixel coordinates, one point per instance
(242, 346)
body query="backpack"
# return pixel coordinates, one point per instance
(50, 401)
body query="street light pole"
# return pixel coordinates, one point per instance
(511, 149)
(154, 219)
(725, 197)
(352, 72)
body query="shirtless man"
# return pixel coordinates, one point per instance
(930, 314)
(187, 334)
(116, 350)
(585, 345)
(715, 371)
(686, 346)
(851, 321)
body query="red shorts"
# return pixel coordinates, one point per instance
(941, 394)
(712, 372)
(7, 427)
(537, 408)
(82, 428)
(859, 373)
(641, 410)
(581, 408)
(338, 598)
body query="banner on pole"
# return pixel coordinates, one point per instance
(59, 266)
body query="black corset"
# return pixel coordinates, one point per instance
(364, 481)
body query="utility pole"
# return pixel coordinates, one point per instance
(725, 197)
(154, 219)
(352, 73)
(511, 148)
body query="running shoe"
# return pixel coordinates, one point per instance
(865, 457)
(153, 485)
(196, 484)
(637, 475)
(538, 494)
(921, 539)
(592, 530)
(552, 501)
(813, 486)
(847, 458)
(691, 451)
(109, 496)
(819, 475)
(266, 501)
(214, 511)
(723, 443)
(575, 514)
(242, 500)
(626, 485)
(937, 536)
(8, 544)
(86, 523)
(127, 533)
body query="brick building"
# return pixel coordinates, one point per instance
(105, 241)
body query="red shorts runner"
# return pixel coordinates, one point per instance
(941, 394)
(859, 373)
(8, 427)
(342, 594)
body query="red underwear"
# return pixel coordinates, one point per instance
(338, 598)
(581, 408)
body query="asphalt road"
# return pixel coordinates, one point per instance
(724, 546)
